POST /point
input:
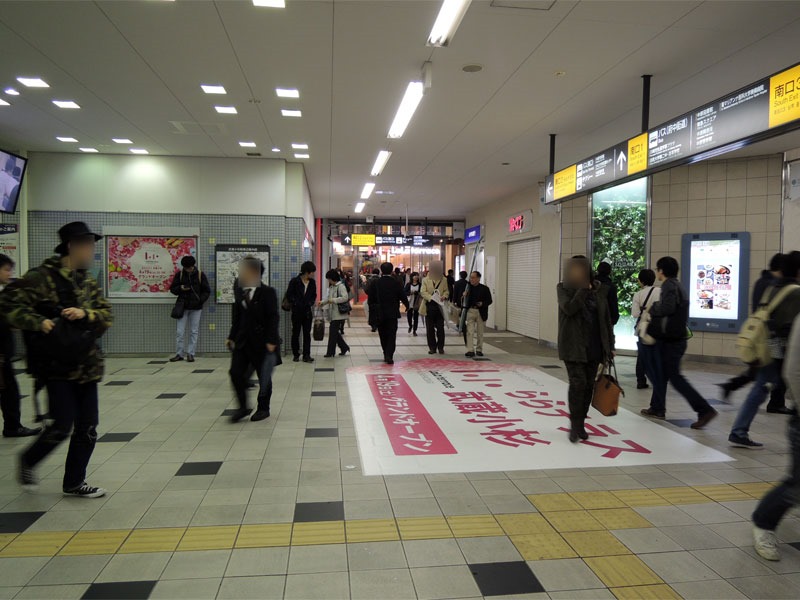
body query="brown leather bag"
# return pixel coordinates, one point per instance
(607, 391)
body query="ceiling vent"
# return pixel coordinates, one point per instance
(524, 4)
(196, 128)
(254, 154)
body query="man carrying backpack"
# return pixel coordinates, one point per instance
(783, 310)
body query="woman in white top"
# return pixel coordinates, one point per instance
(337, 295)
(647, 365)
(414, 300)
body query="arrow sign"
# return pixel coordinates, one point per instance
(550, 189)
(621, 161)
(347, 239)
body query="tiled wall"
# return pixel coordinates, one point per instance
(148, 328)
(574, 227)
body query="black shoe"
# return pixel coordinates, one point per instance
(649, 412)
(582, 433)
(260, 415)
(642, 386)
(26, 477)
(704, 419)
(744, 442)
(22, 432)
(441, 351)
(415, 334)
(389, 361)
(374, 330)
(479, 354)
(344, 352)
(240, 414)
(726, 392)
(176, 358)
(190, 358)
(780, 410)
(308, 359)
(85, 490)
(469, 354)
(409, 330)
(431, 351)
(573, 436)
(296, 359)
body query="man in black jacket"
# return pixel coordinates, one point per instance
(458, 294)
(253, 338)
(604, 276)
(476, 302)
(192, 289)
(302, 294)
(385, 296)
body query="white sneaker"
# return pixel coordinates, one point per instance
(766, 544)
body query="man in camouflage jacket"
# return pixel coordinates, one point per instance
(61, 309)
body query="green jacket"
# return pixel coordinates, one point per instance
(573, 334)
(22, 302)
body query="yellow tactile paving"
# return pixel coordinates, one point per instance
(153, 540)
(424, 528)
(682, 495)
(597, 500)
(269, 535)
(322, 532)
(595, 543)
(646, 592)
(622, 571)
(87, 543)
(209, 538)
(573, 520)
(722, 493)
(553, 502)
(640, 498)
(526, 523)
(372, 530)
(756, 489)
(542, 546)
(620, 518)
(474, 526)
(37, 543)
(6, 539)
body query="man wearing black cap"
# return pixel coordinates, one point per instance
(192, 289)
(61, 305)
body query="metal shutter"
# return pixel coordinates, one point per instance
(524, 287)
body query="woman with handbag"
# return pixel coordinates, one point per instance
(191, 287)
(647, 367)
(414, 301)
(338, 301)
(585, 337)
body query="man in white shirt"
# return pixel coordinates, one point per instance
(642, 301)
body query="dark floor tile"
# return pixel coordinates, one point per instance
(119, 383)
(170, 396)
(505, 578)
(122, 590)
(380, 360)
(549, 366)
(206, 371)
(795, 545)
(158, 362)
(324, 370)
(307, 512)
(681, 422)
(229, 412)
(117, 437)
(322, 432)
(17, 522)
(198, 468)
(323, 393)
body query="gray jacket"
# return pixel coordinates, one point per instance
(573, 333)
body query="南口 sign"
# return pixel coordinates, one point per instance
(440, 416)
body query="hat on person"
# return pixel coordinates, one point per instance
(73, 231)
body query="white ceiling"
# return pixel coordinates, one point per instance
(135, 68)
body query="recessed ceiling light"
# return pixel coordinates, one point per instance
(384, 193)
(121, 141)
(247, 144)
(71, 140)
(302, 156)
(291, 113)
(408, 105)
(4, 103)
(359, 207)
(11, 92)
(226, 110)
(448, 20)
(139, 151)
(270, 3)
(367, 191)
(300, 146)
(213, 89)
(66, 104)
(380, 162)
(287, 92)
(34, 82)
(88, 149)
(276, 149)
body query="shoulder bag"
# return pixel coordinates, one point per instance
(607, 391)
(344, 307)
(641, 323)
(671, 328)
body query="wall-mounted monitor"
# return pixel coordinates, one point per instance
(715, 271)
(12, 170)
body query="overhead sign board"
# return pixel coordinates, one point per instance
(763, 109)
(371, 239)
(361, 239)
(472, 235)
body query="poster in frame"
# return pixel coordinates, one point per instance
(227, 257)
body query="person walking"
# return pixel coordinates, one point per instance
(412, 290)
(770, 376)
(302, 295)
(458, 295)
(434, 292)
(385, 296)
(451, 282)
(253, 338)
(674, 306)
(585, 337)
(192, 289)
(337, 296)
(62, 303)
(476, 302)
(9, 392)
(781, 499)
(642, 300)
(375, 275)
(604, 277)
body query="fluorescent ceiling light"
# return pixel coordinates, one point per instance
(300, 146)
(380, 162)
(33, 82)
(287, 92)
(302, 156)
(4, 103)
(367, 191)
(247, 144)
(408, 105)
(139, 151)
(276, 149)
(67, 139)
(291, 113)
(121, 141)
(447, 22)
(11, 92)
(226, 110)
(88, 149)
(66, 104)
(359, 207)
(213, 89)
(270, 3)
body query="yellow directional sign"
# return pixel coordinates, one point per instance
(363, 239)
(564, 182)
(637, 154)
(784, 97)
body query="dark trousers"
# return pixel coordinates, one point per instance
(73, 408)
(335, 339)
(671, 354)
(641, 376)
(781, 499)
(387, 331)
(301, 322)
(434, 326)
(413, 319)
(243, 363)
(777, 395)
(9, 397)
(581, 388)
(651, 363)
(265, 380)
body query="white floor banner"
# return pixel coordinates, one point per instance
(442, 416)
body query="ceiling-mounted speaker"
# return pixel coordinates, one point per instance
(370, 219)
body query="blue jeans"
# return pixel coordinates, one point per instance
(777, 502)
(767, 378)
(265, 380)
(652, 368)
(192, 317)
(670, 354)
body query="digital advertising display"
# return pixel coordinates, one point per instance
(715, 273)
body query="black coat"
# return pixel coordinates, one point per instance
(199, 292)
(613, 300)
(479, 293)
(385, 296)
(255, 326)
(302, 300)
(458, 291)
(573, 333)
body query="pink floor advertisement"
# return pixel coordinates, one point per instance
(143, 266)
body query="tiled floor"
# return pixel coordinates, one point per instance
(201, 508)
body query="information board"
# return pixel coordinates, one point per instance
(227, 258)
(472, 235)
(9, 243)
